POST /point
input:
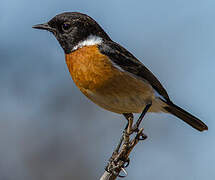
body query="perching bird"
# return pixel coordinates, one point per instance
(107, 73)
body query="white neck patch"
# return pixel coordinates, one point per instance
(90, 41)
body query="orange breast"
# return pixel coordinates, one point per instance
(89, 68)
(104, 84)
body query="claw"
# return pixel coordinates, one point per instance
(125, 172)
(127, 162)
(135, 128)
(142, 137)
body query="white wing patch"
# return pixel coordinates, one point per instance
(90, 41)
(117, 66)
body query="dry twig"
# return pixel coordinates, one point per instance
(120, 157)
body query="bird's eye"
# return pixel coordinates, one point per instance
(66, 26)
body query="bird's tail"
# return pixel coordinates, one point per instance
(184, 115)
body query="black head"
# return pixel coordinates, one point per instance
(70, 28)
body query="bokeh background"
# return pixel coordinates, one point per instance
(50, 131)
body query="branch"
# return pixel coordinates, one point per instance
(120, 157)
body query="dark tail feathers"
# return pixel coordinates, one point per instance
(185, 116)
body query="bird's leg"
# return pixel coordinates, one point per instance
(137, 124)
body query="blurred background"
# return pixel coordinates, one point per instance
(50, 131)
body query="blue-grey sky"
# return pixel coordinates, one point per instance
(49, 130)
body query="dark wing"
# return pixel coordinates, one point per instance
(126, 61)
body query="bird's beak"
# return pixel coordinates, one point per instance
(44, 26)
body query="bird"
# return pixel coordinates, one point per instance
(107, 73)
